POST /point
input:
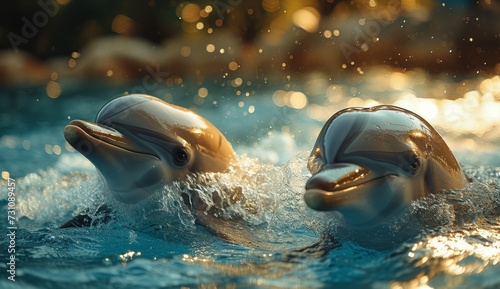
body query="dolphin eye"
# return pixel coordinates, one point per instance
(180, 156)
(412, 165)
(415, 164)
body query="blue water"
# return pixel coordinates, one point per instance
(460, 248)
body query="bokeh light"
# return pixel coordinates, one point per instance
(190, 13)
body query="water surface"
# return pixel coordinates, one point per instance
(272, 127)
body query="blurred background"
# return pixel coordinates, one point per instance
(260, 41)
(268, 73)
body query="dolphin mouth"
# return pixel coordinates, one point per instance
(79, 130)
(117, 159)
(340, 185)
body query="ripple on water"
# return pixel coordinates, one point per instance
(460, 244)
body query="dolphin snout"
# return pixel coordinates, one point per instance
(334, 177)
(332, 187)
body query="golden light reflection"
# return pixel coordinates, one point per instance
(356, 102)
(428, 109)
(271, 5)
(398, 80)
(237, 82)
(279, 97)
(278, 28)
(453, 253)
(203, 92)
(298, 100)
(292, 99)
(122, 24)
(210, 48)
(233, 65)
(49, 149)
(129, 256)
(185, 51)
(471, 99)
(72, 62)
(456, 247)
(319, 112)
(56, 149)
(190, 259)
(491, 85)
(196, 131)
(190, 13)
(307, 18)
(5, 175)
(475, 113)
(53, 89)
(371, 102)
(335, 93)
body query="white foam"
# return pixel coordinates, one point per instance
(275, 148)
(48, 195)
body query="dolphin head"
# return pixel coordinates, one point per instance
(139, 143)
(369, 163)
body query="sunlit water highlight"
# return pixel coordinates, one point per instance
(156, 244)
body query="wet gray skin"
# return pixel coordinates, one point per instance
(370, 163)
(139, 143)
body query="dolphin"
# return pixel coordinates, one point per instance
(369, 164)
(140, 143)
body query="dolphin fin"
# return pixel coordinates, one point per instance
(237, 231)
(316, 250)
(234, 231)
(102, 215)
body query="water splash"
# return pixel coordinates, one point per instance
(478, 200)
(257, 194)
(47, 196)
